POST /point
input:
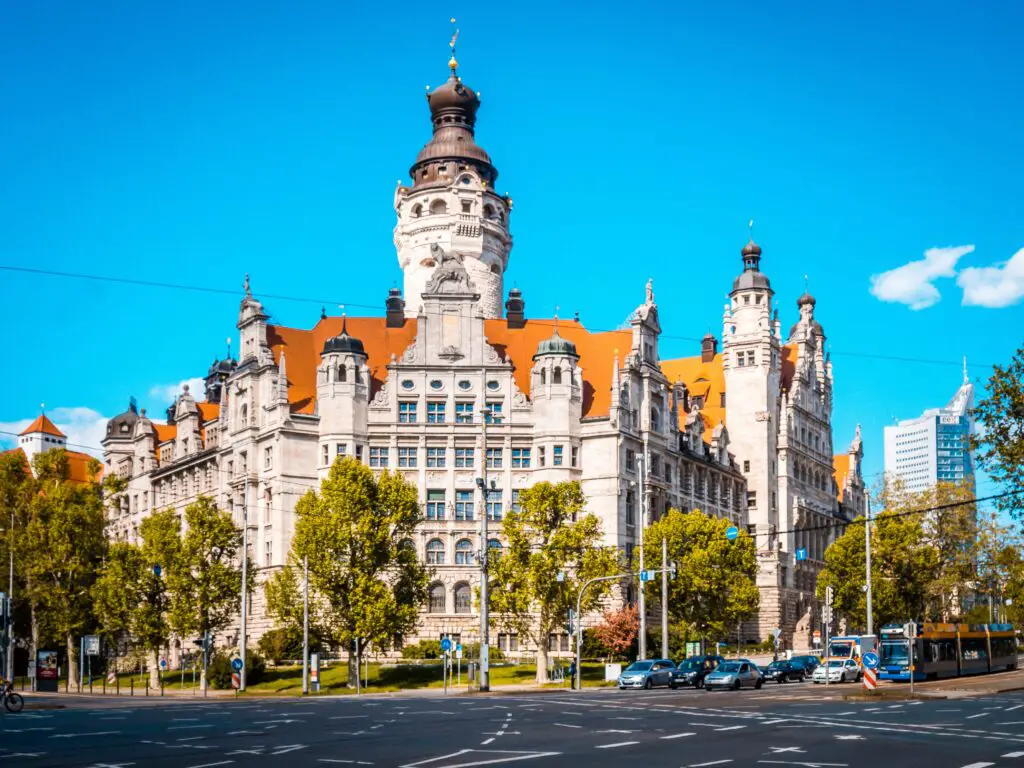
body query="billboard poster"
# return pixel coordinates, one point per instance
(47, 670)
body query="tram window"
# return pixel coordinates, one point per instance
(1003, 646)
(974, 649)
(940, 650)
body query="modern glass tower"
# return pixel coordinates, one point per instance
(935, 447)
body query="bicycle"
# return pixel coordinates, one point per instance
(13, 702)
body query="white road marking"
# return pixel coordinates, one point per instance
(515, 756)
(341, 717)
(616, 744)
(210, 765)
(110, 765)
(1014, 754)
(486, 741)
(567, 725)
(184, 727)
(1018, 706)
(704, 765)
(778, 750)
(807, 765)
(679, 735)
(978, 765)
(288, 748)
(348, 762)
(980, 714)
(731, 728)
(74, 735)
(849, 736)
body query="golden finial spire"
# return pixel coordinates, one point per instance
(453, 64)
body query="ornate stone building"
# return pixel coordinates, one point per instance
(445, 387)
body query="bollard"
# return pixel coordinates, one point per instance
(161, 684)
(117, 685)
(132, 680)
(90, 685)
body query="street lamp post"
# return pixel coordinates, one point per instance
(485, 667)
(641, 602)
(10, 602)
(867, 558)
(305, 625)
(245, 576)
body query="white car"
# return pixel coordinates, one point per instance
(839, 671)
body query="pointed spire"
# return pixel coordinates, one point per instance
(229, 349)
(282, 379)
(966, 378)
(453, 64)
(323, 313)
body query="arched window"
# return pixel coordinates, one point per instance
(556, 375)
(406, 545)
(435, 552)
(342, 375)
(495, 269)
(437, 601)
(543, 376)
(243, 415)
(438, 207)
(357, 375)
(494, 549)
(417, 211)
(489, 212)
(463, 598)
(464, 552)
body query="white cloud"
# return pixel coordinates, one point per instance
(84, 427)
(164, 394)
(996, 286)
(912, 284)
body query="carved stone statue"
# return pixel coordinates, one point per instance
(450, 275)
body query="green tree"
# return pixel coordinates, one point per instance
(61, 548)
(550, 535)
(130, 597)
(1000, 440)
(952, 528)
(16, 483)
(355, 532)
(283, 595)
(204, 583)
(715, 587)
(903, 566)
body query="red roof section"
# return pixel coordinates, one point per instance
(44, 425)
(840, 469)
(78, 466)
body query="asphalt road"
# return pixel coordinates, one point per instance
(790, 725)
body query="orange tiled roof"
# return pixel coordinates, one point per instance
(164, 432)
(840, 469)
(78, 466)
(44, 425)
(208, 411)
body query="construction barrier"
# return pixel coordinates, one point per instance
(870, 679)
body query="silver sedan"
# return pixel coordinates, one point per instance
(734, 675)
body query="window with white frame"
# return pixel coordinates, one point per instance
(268, 457)
(436, 412)
(463, 505)
(464, 458)
(435, 504)
(464, 413)
(436, 457)
(520, 458)
(435, 552)
(407, 412)
(378, 457)
(494, 458)
(463, 598)
(463, 552)
(556, 456)
(496, 414)
(494, 508)
(340, 449)
(407, 457)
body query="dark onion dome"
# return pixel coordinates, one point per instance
(751, 276)
(556, 345)
(124, 423)
(453, 108)
(343, 343)
(227, 365)
(806, 299)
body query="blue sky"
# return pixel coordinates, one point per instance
(195, 143)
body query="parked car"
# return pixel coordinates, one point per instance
(839, 671)
(693, 670)
(647, 674)
(810, 662)
(784, 671)
(734, 675)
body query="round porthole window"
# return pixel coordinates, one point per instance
(436, 384)
(464, 384)
(493, 385)
(408, 384)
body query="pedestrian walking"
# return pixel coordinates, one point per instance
(572, 673)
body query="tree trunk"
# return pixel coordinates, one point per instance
(353, 668)
(33, 642)
(72, 661)
(154, 669)
(542, 662)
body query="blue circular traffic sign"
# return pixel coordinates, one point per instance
(236, 664)
(732, 533)
(446, 645)
(870, 660)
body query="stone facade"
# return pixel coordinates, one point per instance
(409, 391)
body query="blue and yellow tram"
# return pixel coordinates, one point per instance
(947, 650)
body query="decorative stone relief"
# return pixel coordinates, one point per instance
(463, 478)
(434, 478)
(383, 397)
(521, 479)
(409, 356)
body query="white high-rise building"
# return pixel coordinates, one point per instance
(934, 447)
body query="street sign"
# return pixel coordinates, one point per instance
(776, 633)
(870, 679)
(157, 570)
(910, 629)
(871, 660)
(816, 637)
(92, 645)
(801, 553)
(458, 647)
(648, 575)
(111, 677)
(829, 594)
(236, 680)
(446, 644)
(458, 652)
(163, 663)
(732, 532)
(236, 664)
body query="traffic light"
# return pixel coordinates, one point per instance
(571, 624)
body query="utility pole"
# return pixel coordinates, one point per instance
(867, 550)
(485, 667)
(664, 599)
(305, 626)
(245, 574)
(10, 603)
(641, 603)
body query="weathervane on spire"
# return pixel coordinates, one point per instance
(750, 226)
(453, 64)
(556, 319)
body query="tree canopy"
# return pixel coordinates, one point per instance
(1000, 439)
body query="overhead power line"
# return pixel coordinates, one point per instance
(377, 309)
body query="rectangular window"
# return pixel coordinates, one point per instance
(630, 508)
(463, 505)
(630, 460)
(494, 460)
(520, 458)
(436, 457)
(435, 505)
(741, 359)
(435, 412)
(496, 416)
(575, 462)
(464, 413)
(325, 455)
(406, 458)
(556, 456)
(464, 458)
(378, 457)
(515, 500)
(494, 509)
(407, 412)
(540, 455)
(513, 642)
(746, 466)
(268, 549)
(359, 453)
(268, 457)
(751, 499)
(340, 449)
